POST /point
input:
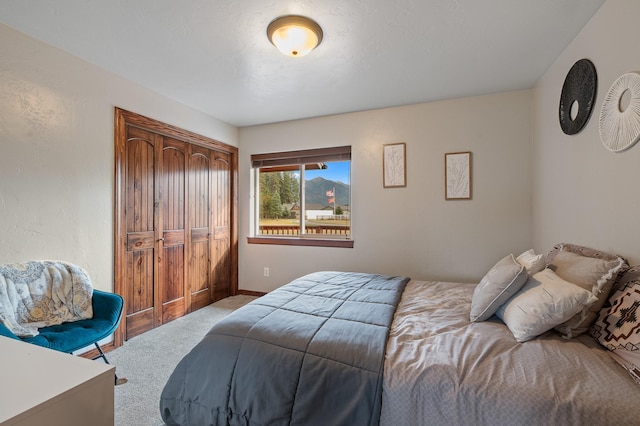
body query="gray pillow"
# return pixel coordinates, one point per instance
(590, 269)
(498, 285)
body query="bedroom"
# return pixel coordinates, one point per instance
(533, 185)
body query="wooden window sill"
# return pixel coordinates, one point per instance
(313, 242)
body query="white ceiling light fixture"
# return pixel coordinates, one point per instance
(294, 35)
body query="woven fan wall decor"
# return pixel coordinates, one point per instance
(620, 113)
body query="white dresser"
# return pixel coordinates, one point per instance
(45, 387)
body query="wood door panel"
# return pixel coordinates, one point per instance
(140, 322)
(140, 296)
(200, 188)
(140, 169)
(222, 272)
(172, 193)
(173, 237)
(222, 227)
(172, 310)
(200, 299)
(172, 267)
(140, 272)
(199, 235)
(140, 241)
(173, 186)
(221, 233)
(200, 274)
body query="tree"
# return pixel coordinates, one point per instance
(339, 211)
(273, 208)
(289, 188)
(276, 189)
(270, 204)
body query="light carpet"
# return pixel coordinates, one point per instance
(148, 360)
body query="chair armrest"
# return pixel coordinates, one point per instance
(4, 331)
(107, 306)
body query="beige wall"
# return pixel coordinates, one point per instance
(410, 231)
(533, 185)
(583, 193)
(57, 155)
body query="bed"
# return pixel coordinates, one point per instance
(364, 349)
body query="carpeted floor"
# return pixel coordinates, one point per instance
(147, 361)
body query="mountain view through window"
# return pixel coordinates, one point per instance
(312, 200)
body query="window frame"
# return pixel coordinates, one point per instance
(295, 158)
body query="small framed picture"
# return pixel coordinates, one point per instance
(457, 175)
(394, 165)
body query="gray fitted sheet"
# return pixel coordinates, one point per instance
(440, 369)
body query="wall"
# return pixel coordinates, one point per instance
(410, 231)
(582, 193)
(57, 152)
(56, 168)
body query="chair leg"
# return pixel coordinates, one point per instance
(101, 354)
(104, 357)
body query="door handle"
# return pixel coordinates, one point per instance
(161, 239)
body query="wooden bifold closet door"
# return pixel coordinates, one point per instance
(209, 202)
(174, 226)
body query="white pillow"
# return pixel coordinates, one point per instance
(533, 262)
(497, 286)
(545, 301)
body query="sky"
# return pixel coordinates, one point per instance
(336, 171)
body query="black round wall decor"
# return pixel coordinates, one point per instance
(580, 87)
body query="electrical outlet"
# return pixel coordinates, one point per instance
(266, 271)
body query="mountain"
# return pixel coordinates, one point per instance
(316, 192)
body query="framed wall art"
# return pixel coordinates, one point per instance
(394, 165)
(457, 175)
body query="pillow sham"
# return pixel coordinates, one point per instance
(618, 325)
(545, 301)
(496, 287)
(533, 262)
(590, 269)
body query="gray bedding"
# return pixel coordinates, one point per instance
(313, 352)
(309, 353)
(442, 369)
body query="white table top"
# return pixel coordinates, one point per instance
(31, 375)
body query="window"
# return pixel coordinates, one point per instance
(302, 197)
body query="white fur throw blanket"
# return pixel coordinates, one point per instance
(42, 293)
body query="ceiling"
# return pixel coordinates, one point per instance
(214, 56)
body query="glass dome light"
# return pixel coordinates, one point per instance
(294, 35)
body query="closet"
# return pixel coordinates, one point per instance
(176, 239)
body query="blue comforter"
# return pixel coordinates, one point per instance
(309, 353)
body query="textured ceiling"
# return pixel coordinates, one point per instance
(213, 55)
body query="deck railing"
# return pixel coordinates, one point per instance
(311, 229)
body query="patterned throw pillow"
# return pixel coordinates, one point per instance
(618, 326)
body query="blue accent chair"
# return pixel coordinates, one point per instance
(71, 336)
